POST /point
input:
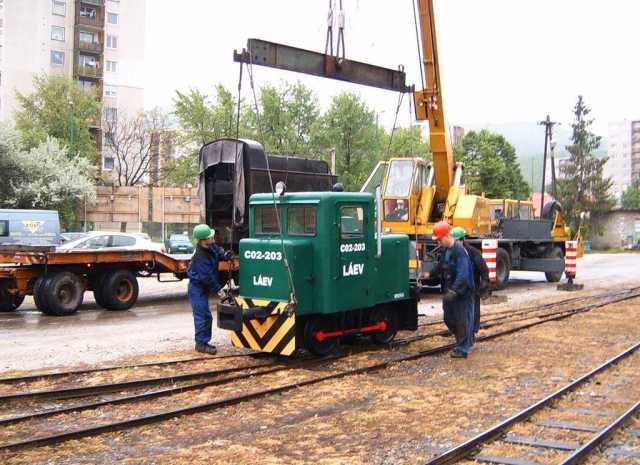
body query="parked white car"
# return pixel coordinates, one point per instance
(97, 240)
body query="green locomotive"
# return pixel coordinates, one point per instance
(324, 271)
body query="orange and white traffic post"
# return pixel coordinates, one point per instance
(570, 258)
(570, 262)
(489, 254)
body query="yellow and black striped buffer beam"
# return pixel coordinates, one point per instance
(274, 334)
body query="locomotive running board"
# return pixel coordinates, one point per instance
(287, 58)
(261, 325)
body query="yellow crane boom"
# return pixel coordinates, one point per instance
(429, 103)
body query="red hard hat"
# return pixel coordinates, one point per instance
(440, 229)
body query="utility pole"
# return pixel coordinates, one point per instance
(548, 140)
(333, 161)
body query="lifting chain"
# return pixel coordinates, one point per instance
(328, 46)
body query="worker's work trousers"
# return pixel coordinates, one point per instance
(476, 312)
(202, 320)
(459, 318)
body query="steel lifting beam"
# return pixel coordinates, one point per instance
(263, 53)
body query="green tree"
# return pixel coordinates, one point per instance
(631, 197)
(583, 186)
(407, 142)
(181, 171)
(491, 166)
(349, 126)
(202, 120)
(43, 176)
(59, 108)
(287, 116)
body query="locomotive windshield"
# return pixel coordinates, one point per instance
(301, 221)
(266, 220)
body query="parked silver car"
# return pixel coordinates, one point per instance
(96, 240)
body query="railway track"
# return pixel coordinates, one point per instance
(91, 371)
(33, 440)
(535, 308)
(47, 376)
(562, 452)
(105, 388)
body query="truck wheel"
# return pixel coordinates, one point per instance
(39, 297)
(98, 285)
(555, 276)
(8, 301)
(312, 326)
(390, 318)
(503, 269)
(119, 290)
(63, 294)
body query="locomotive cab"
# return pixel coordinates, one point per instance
(317, 275)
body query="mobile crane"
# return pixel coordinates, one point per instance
(417, 194)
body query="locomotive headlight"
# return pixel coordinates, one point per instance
(280, 188)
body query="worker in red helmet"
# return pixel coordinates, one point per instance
(458, 287)
(480, 274)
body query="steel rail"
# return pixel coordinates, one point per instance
(84, 391)
(57, 438)
(536, 308)
(178, 389)
(580, 454)
(465, 449)
(58, 374)
(490, 323)
(151, 394)
(111, 387)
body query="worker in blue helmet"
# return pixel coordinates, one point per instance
(203, 281)
(480, 274)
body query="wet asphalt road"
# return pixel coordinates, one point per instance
(162, 322)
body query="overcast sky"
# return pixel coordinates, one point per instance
(501, 60)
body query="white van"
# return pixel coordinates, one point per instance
(29, 227)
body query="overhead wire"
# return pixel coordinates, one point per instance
(273, 193)
(239, 100)
(395, 122)
(420, 62)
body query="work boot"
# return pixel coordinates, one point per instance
(458, 354)
(206, 349)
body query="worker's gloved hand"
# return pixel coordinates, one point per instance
(449, 296)
(228, 255)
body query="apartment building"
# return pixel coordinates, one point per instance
(100, 43)
(623, 165)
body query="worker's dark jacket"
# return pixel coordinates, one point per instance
(480, 269)
(457, 275)
(456, 271)
(203, 269)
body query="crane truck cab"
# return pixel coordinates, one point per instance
(316, 268)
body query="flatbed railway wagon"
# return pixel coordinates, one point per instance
(57, 280)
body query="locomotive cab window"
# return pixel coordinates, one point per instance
(301, 221)
(4, 228)
(266, 220)
(351, 222)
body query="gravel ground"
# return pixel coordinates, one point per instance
(161, 321)
(402, 415)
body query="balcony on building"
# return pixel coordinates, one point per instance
(88, 66)
(89, 41)
(90, 13)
